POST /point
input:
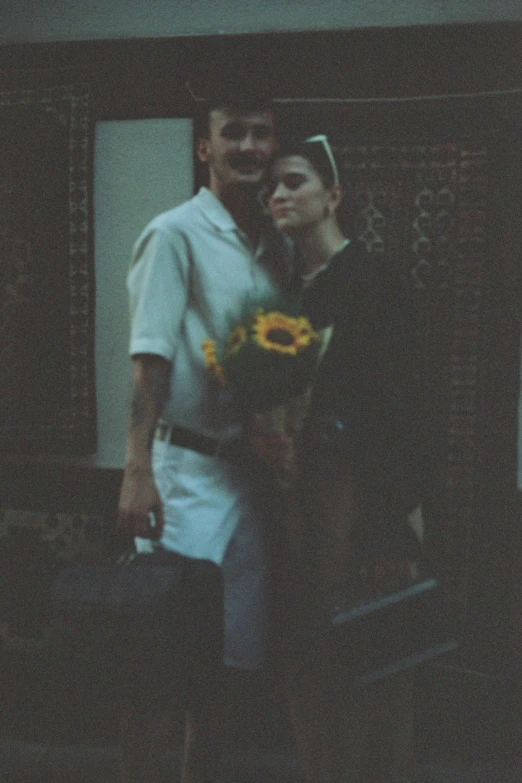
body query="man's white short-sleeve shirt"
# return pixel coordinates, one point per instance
(191, 274)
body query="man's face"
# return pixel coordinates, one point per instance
(238, 149)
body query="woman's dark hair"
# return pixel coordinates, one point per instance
(318, 153)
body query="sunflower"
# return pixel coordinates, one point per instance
(211, 362)
(308, 335)
(236, 339)
(282, 334)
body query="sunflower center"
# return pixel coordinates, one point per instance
(280, 337)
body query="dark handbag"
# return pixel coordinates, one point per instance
(393, 632)
(139, 630)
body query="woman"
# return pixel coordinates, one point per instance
(361, 472)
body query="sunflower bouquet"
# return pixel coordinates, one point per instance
(267, 358)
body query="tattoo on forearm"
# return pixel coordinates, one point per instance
(138, 406)
(150, 441)
(149, 394)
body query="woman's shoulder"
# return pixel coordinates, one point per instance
(355, 265)
(373, 270)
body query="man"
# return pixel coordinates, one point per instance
(192, 271)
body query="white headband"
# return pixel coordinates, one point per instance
(322, 139)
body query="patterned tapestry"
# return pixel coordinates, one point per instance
(424, 208)
(47, 397)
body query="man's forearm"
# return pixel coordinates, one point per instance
(140, 510)
(149, 394)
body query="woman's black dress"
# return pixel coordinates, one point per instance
(367, 407)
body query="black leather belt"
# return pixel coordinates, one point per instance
(188, 439)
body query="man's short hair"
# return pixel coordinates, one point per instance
(235, 98)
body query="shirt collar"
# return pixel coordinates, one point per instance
(214, 211)
(272, 244)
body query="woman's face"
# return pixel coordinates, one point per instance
(297, 198)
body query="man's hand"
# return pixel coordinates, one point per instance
(140, 511)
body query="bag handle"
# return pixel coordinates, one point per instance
(120, 546)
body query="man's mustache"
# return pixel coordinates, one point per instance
(246, 159)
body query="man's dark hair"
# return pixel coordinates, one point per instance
(235, 98)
